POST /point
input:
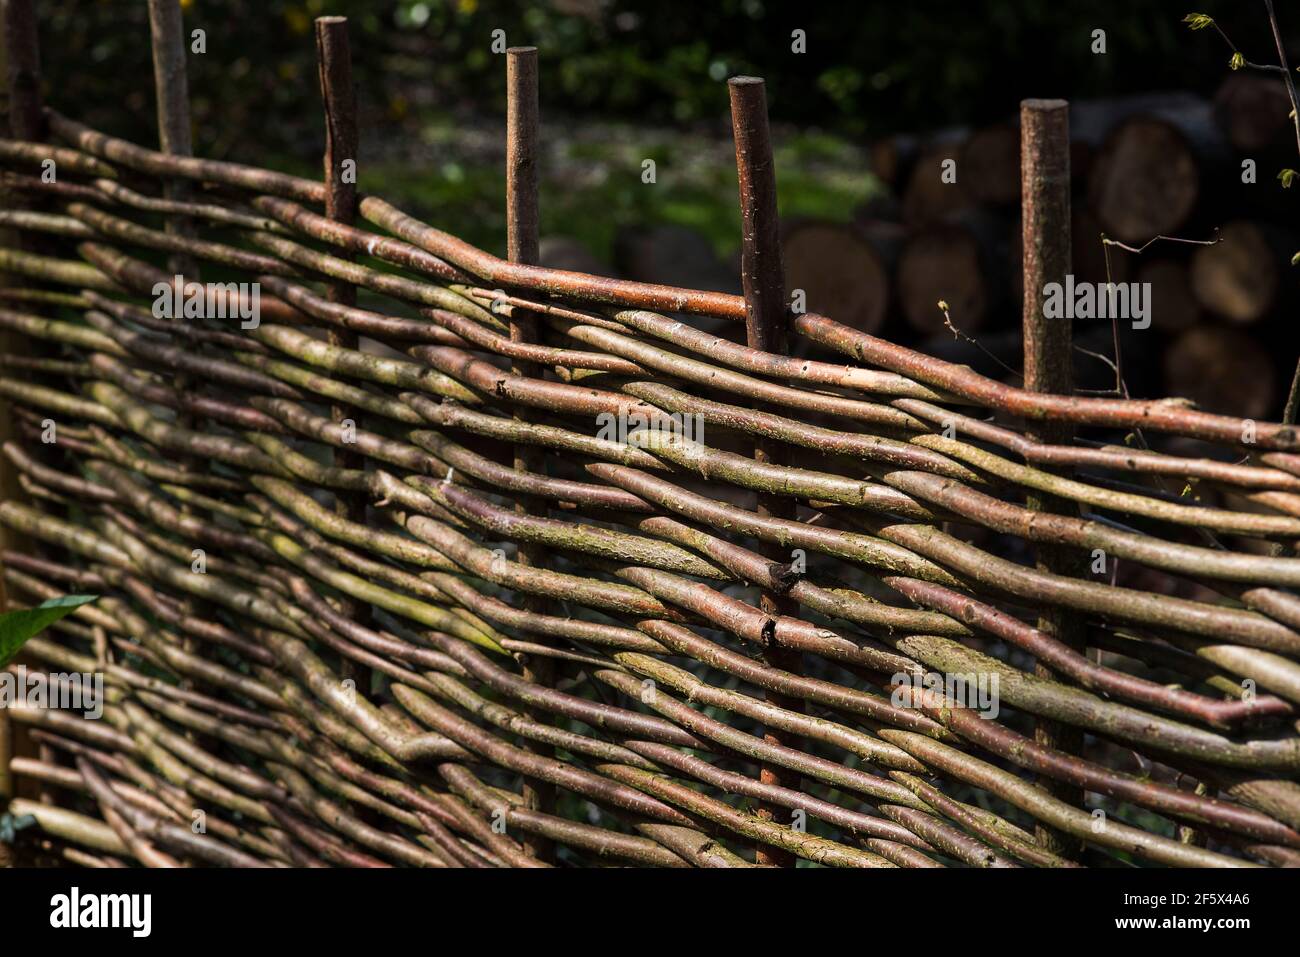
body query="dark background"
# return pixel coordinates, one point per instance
(871, 67)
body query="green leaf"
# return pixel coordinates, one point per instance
(1237, 61)
(1198, 21)
(1286, 176)
(10, 826)
(18, 626)
(1295, 260)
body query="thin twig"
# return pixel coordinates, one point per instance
(1286, 71)
(1121, 389)
(958, 334)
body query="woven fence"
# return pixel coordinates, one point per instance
(520, 567)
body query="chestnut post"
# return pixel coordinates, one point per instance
(763, 277)
(22, 69)
(171, 85)
(1045, 207)
(6, 730)
(334, 66)
(175, 138)
(521, 247)
(171, 90)
(338, 94)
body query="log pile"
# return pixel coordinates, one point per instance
(1142, 167)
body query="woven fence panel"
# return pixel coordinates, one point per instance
(384, 585)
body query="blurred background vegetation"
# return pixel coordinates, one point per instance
(870, 67)
(625, 80)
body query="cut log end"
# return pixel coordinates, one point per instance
(990, 165)
(1238, 277)
(1222, 370)
(840, 273)
(943, 262)
(1144, 181)
(935, 191)
(1174, 308)
(1252, 110)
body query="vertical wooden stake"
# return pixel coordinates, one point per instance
(23, 60)
(763, 276)
(521, 164)
(342, 142)
(521, 247)
(172, 94)
(171, 86)
(171, 89)
(1045, 206)
(6, 728)
(334, 64)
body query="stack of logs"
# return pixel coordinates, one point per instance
(1158, 165)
